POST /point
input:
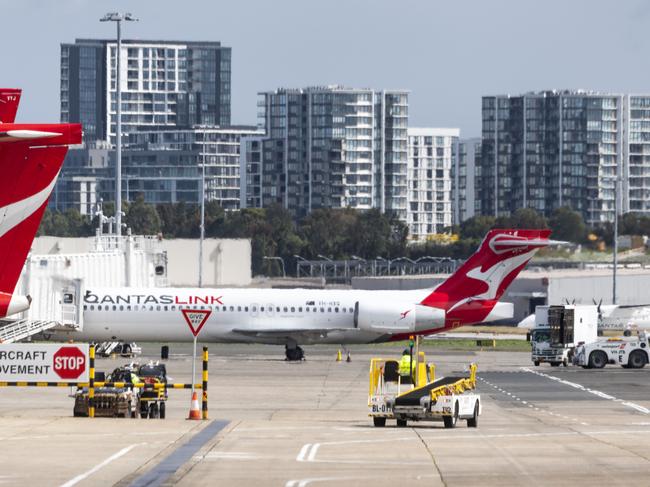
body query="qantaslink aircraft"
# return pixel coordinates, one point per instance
(294, 317)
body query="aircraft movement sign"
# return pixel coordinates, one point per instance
(38, 362)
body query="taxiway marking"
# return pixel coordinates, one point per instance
(595, 392)
(529, 404)
(99, 466)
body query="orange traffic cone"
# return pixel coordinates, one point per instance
(195, 410)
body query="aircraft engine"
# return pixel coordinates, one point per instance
(382, 317)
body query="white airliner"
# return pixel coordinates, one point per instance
(303, 316)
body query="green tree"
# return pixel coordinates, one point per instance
(142, 217)
(523, 218)
(567, 224)
(476, 227)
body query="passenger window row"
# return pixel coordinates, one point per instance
(254, 309)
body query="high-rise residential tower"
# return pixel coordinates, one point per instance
(164, 83)
(463, 177)
(432, 155)
(562, 148)
(331, 147)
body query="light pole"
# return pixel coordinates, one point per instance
(118, 18)
(202, 221)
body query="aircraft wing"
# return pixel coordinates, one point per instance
(295, 333)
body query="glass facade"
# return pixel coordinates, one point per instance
(463, 176)
(162, 165)
(163, 83)
(550, 149)
(332, 147)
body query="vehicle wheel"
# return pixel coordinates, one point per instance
(294, 354)
(597, 360)
(161, 413)
(379, 422)
(450, 421)
(536, 363)
(144, 410)
(473, 421)
(153, 410)
(637, 360)
(401, 423)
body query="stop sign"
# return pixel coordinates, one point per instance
(69, 362)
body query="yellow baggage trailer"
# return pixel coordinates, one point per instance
(447, 399)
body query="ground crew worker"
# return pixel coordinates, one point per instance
(405, 368)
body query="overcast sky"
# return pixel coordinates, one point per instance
(448, 54)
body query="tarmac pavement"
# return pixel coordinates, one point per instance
(299, 424)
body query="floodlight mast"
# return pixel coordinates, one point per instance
(118, 18)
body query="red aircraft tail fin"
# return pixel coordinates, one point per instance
(9, 99)
(472, 291)
(31, 156)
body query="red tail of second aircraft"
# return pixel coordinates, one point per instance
(472, 292)
(31, 156)
(9, 99)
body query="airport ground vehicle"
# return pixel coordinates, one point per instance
(106, 349)
(629, 352)
(152, 399)
(559, 329)
(447, 399)
(112, 402)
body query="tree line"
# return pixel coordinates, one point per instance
(333, 233)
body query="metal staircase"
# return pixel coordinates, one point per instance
(14, 331)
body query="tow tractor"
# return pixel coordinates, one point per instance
(628, 352)
(447, 399)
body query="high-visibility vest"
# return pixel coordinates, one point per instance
(405, 365)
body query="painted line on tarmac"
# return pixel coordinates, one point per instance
(595, 392)
(531, 405)
(99, 466)
(176, 459)
(308, 452)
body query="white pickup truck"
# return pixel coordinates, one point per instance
(628, 352)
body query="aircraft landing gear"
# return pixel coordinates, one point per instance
(294, 353)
